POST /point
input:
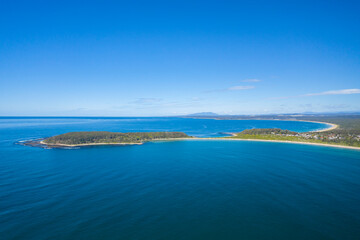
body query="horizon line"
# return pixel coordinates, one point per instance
(183, 115)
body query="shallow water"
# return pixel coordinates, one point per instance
(175, 190)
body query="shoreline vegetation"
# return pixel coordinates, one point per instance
(323, 138)
(77, 139)
(333, 136)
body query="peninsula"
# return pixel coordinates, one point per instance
(338, 137)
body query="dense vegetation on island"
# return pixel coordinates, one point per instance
(95, 137)
(336, 137)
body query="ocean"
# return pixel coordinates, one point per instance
(178, 189)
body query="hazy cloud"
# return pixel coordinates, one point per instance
(81, 109)
(335, 92)
(160, 103)
(196, 99)
(236, 88)
(279, 98)
(146, 101)
(307, 105)
(336, 106)
(251, 80)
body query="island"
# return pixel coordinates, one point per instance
(78, 139)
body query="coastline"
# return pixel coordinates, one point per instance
(99, 144)
(278, 141)
(332, 125)
(86, 144)
(258, 140)
(204, 139)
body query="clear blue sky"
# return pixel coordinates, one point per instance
(155, 58)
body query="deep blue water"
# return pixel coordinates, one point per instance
(175, 190)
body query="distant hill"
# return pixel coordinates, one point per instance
(203, 114)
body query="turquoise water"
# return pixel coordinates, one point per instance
(175, 190)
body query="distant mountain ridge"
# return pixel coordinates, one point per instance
(203, 114)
